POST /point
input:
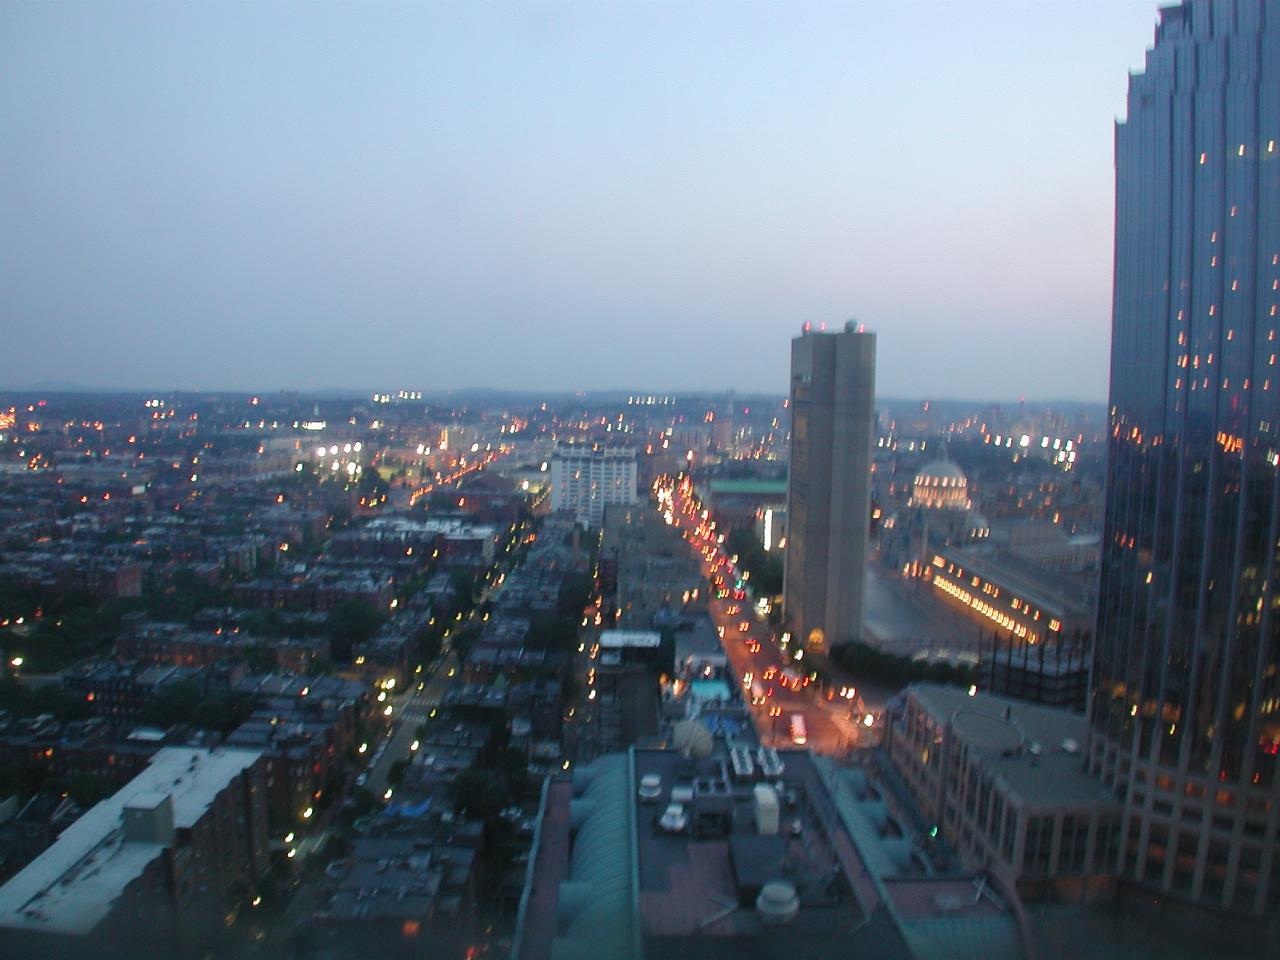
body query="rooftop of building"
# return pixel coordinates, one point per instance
(73, 885)
(606, 881)
(611, 639)
(396, 878)
(749, 487)
(941, 469)
(446, 524)
(319, 687)
(563, 450)
(1047, 589)
(1036, 750)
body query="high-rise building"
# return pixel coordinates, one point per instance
(585, 478)
(151, 870)
(829, 487)
(1185, 703)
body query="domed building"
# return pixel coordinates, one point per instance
(940, 485)
(938, 513)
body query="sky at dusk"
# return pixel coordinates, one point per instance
(559, 196)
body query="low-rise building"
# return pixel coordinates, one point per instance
(121, 692)
(1006, 784)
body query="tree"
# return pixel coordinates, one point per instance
(85, 788)
(575, 591)
(463, 583)
(24, 701)
(764, 566)
(174, 705)
(481, 793)
(351, 622)
(429, 642)
(553, 633)
(223, 712)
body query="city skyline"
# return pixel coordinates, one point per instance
(623, 195)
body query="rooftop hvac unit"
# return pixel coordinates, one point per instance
(766, 809)
(778, 902)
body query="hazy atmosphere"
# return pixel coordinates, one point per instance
(559, 196)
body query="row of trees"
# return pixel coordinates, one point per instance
(866, 661)
(187, 702)
(765, 566)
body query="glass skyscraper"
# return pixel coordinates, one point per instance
(1185, 707)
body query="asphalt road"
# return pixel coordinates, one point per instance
(408, 711)
(832, 722)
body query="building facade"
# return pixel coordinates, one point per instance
(1003, 782)
(152, 870)
(1185, 705)
(829, 485)
(585, 479)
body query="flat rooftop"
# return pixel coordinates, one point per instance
(606, 883)
(611, 639)
(749, 487)
(1071, 594)
(690, 889)
(73, 885)
(1007, 733)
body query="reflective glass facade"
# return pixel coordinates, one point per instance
(1186, 687)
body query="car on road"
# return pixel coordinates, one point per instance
(799, 733)
(362, 779)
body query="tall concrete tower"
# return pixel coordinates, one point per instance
(829, 488)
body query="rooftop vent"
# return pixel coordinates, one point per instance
(148, 818)
(778, 902)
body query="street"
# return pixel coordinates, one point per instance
(765, 669)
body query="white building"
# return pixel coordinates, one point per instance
(585, 479)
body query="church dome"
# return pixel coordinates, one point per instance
(941, 485)
(942, 470)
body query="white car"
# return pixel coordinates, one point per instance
(673, 819)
